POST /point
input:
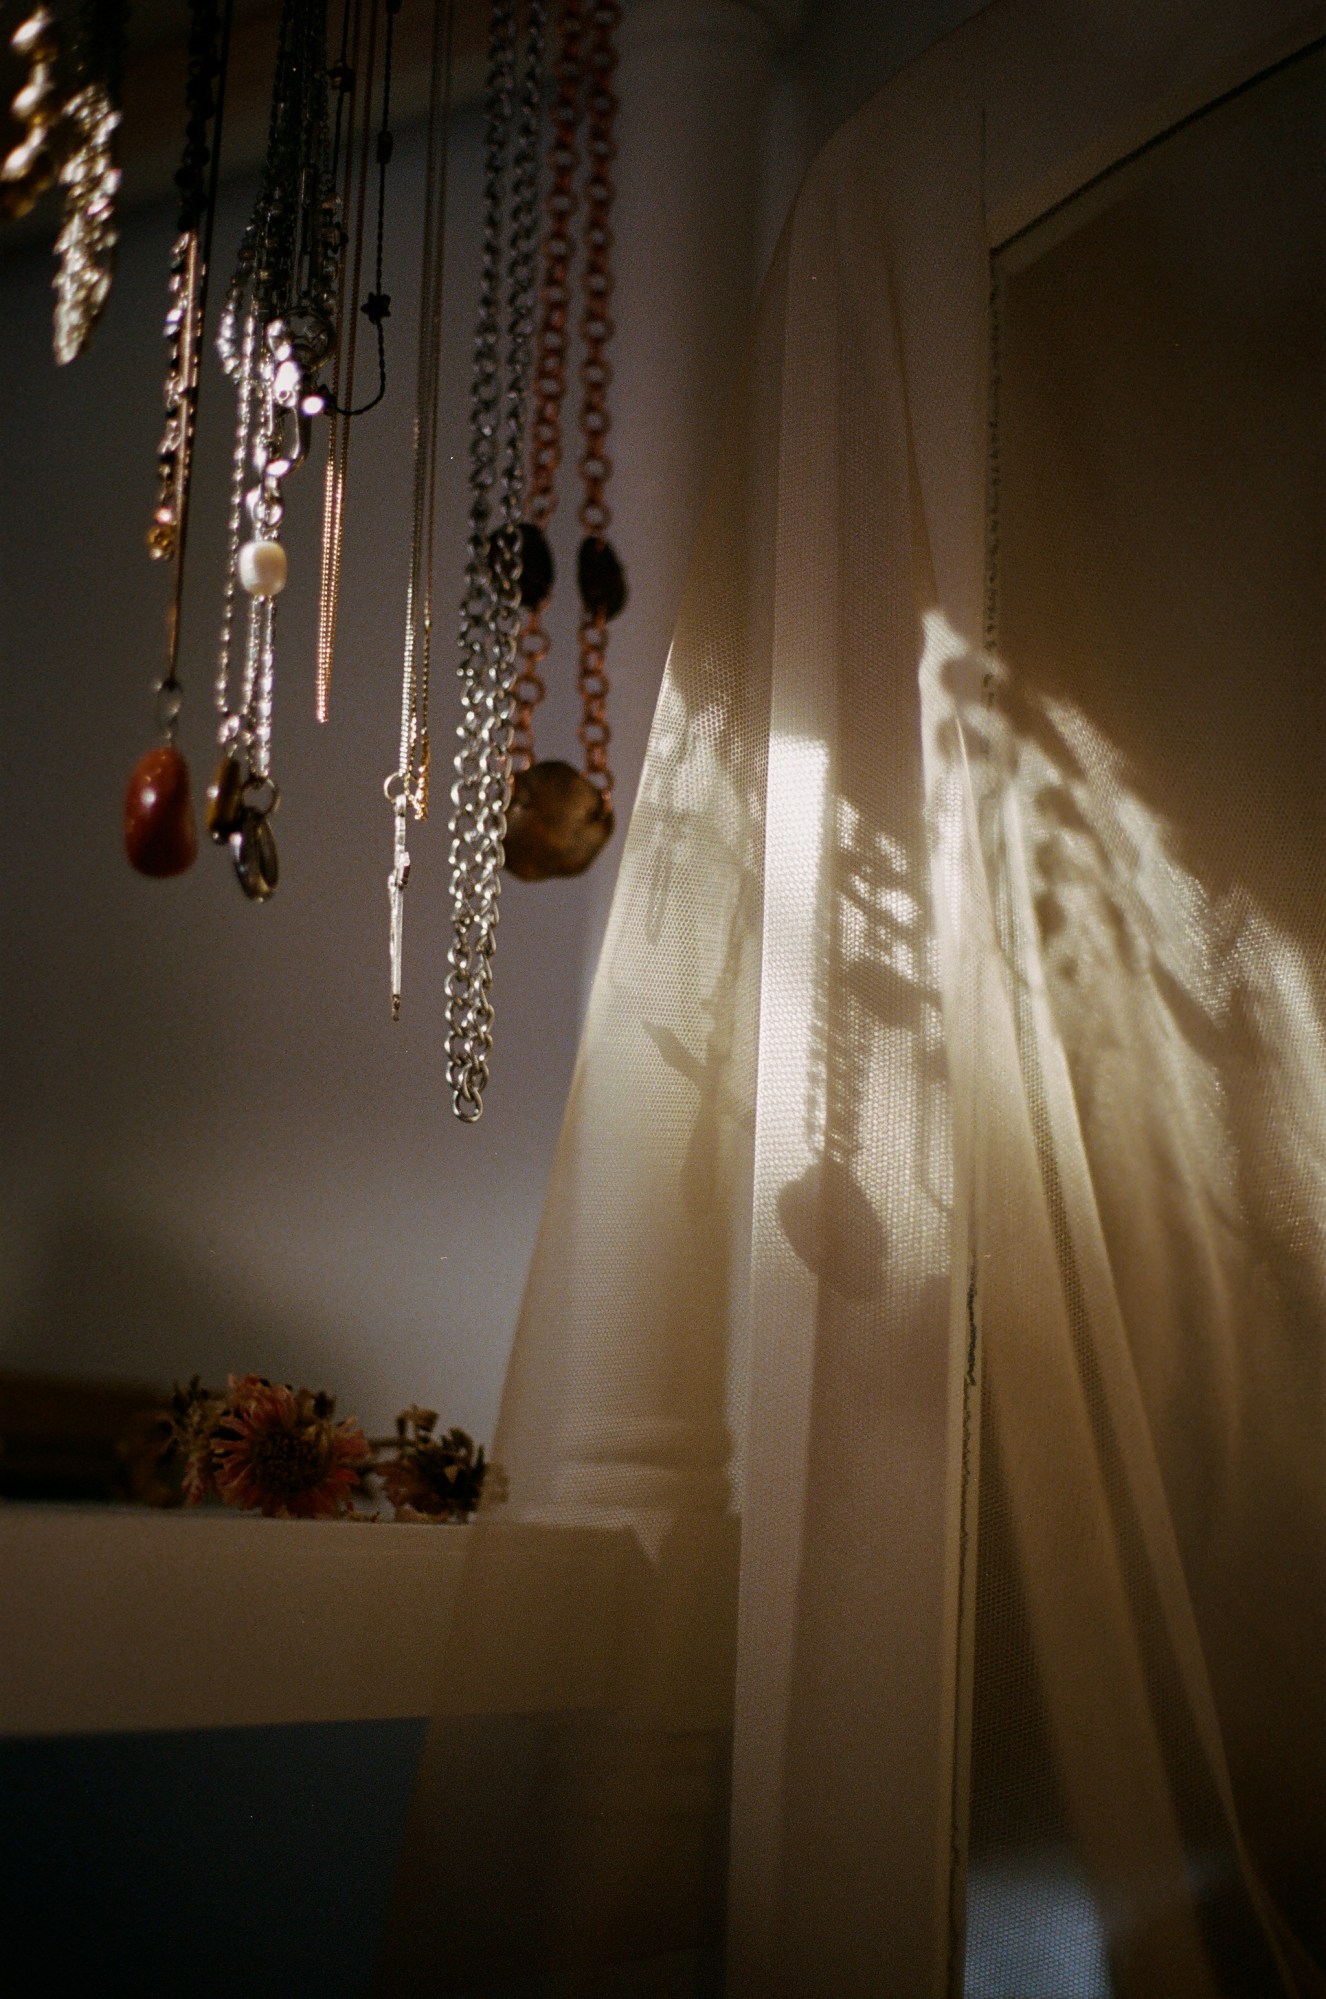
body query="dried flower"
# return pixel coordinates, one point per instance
(432, 1478)
(193, 1415)
(149, 1467)
(266, 1446)
(277, 1448)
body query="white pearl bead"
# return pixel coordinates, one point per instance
(262, 568)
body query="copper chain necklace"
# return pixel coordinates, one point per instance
(559, 819)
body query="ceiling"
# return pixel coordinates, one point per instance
(152, 132)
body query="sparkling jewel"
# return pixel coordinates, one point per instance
(262, 568)
(159, 833)
(35, 35)
(555, 824)
(161, 537)
(30, 99)
(85, 246)
(30, 167)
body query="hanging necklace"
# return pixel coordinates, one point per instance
(347, 78)
(71, 139)
(30, 167)
(376, 308)
(277, 331)
(407, 787)
(559, 819)
(85, 245)
(490, 608)
(159, 829)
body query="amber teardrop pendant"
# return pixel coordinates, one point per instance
(225, 797)
(556, 824)
(159, 834)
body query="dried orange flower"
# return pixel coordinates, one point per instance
(277, 1450)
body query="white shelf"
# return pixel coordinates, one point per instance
(117, 1619)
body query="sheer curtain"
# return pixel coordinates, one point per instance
(914, 1427)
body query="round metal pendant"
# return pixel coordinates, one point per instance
(556, 823)
(253, 851)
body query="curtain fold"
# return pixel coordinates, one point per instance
(914, 1424)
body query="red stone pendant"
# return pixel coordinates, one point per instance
(159, 833)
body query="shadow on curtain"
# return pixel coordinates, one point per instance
(917, 1516)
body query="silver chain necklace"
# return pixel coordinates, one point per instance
(490, 614)
(277, 331)
(407, 787)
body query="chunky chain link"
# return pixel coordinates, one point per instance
(596, 330)
(490, 608)
(549, 387)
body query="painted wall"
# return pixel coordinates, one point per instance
(216, 1151)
